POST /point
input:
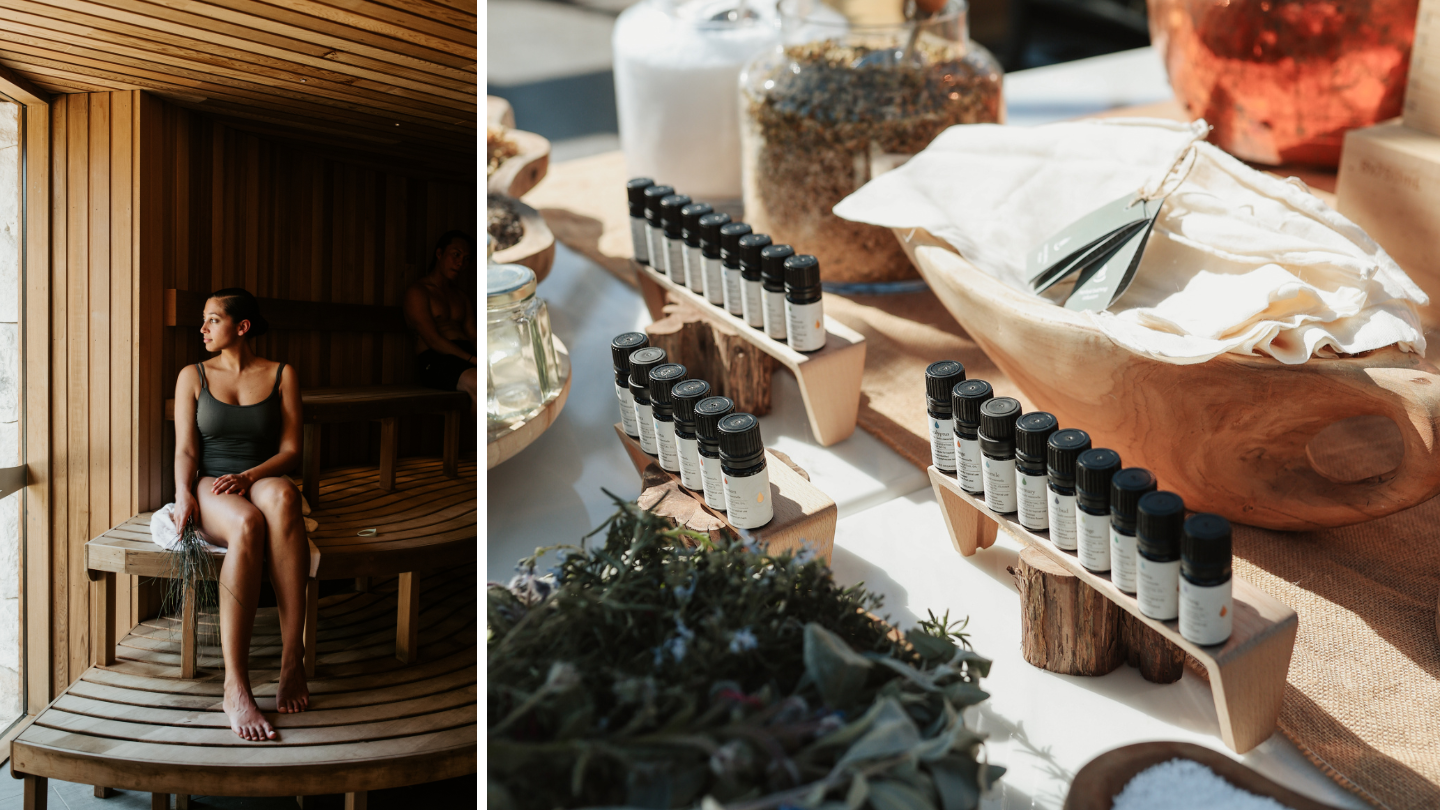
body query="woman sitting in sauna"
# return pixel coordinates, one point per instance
(237, 430)
(443, 318)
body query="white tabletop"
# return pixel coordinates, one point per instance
(1043, 727)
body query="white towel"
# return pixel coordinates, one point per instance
(166, 535)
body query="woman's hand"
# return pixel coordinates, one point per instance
(237, 484)
(186, 510)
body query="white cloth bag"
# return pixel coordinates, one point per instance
(1239, 260)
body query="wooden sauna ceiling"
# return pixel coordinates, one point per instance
(389, 76)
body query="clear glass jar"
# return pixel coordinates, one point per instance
(845, 99)
(522, 373)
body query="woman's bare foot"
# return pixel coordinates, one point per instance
(245, 718)
(292, 694)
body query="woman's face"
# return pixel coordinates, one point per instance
(218, 330)
(450, 260)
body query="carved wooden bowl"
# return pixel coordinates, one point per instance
(536, 248)
(1229, 435)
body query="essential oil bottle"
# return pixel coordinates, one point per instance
(670, 208)
(730, 260)
(997, 450)
(641, 361)
(1093, 471)
(1207, 606)
(772, 288)
(662, 379)
(965, 402)
(713, 276)
(708, 413)
(620, 350)
(940, 380)
(1061, 453)
(1126, 489)
(1157, 554)
(804, 311)
(654, 228)
(751, 306)
(686, 395)
(1032, 437)
(747, 481)
(690, 235)
(635, 195)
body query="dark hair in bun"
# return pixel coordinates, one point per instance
(240, 305)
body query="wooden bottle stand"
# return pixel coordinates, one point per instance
(829, 378)
(804, 516)
(1247, 672)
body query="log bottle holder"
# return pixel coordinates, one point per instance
(1247, 672)
(829, 378)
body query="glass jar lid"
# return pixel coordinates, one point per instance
(507, 284)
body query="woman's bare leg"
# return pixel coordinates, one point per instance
(234, 522)
(289, 567)
(469, 382)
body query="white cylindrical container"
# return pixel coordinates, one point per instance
(748, 500)
(772, 289)
(666, 449)
(641, 362)
(670, 221)
(690, 234)
(940, 381)
(708, 413)
(753, 311)
(686, 395)
(1207, 607)
(645, 421)
(997, 449)
(663, 379)
(1093, 471)
(635, 195)
(1157, 554)
(804, 311)
(1032, 438)
(734, 295)
(1092, 540)
(1127, 487)
(966, 399)
(620, 350)
(713, 271)
(654, 227)
(1061, 454)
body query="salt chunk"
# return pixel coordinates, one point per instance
(1184, 784)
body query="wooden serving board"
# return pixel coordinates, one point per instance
(1247, 672)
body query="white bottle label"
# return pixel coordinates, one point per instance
(645, 420)
(942, 443)
(714, 482)
(1034, 514)
(655, 247)
(747, 500)
(1207, 613)
(690, 464)
(1122, 560)
(999, 485)
(675, 260)
(627, 411)
(669, 452)
(1157, 587)
(734, 297)
(805, 326)
(1093, 540)
(774, 314)
(694, 268)
(714, 281)
(968, 465)
(754, 309)
(637, 240)
(1062, 520)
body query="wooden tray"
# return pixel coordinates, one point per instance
(804, 516)
(523, 171)
(1101, 780)
(1247, 672)
(519, 437)
(829, 378)
(536, 248)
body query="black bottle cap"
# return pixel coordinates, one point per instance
(635, 194)
(686, 396)
(1032, 435)
(1205, 549)
(662, 379)
(710, 225)
(740, 444)
(750, 246)
(730, 242)
(966, 399)
(641, 361)
(624, 345)
(1160, 517)
(941, 379)
(1064, 447)
(1126, 489)
(772, 266)
(653, 196)
(690, 222)
(670, 208)
(1093, 471)
(708, 413)
(997, 425)
(802, 274)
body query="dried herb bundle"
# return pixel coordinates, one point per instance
(190, 565)
(652, 674)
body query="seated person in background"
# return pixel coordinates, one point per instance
(443, 318)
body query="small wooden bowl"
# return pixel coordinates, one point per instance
(523, 171)
(1229, 435)
(536, 248)
(499, 113)
(1101, 780)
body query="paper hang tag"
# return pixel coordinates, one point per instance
(1085, 259)
(1083, 234)
(1104, 282)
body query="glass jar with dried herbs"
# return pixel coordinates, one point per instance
(848, 96)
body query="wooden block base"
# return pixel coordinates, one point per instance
(1247, 672)
(715, 352)
(804, 516)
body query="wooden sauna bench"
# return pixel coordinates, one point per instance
(373, 722)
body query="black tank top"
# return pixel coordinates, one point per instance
(235, 438)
